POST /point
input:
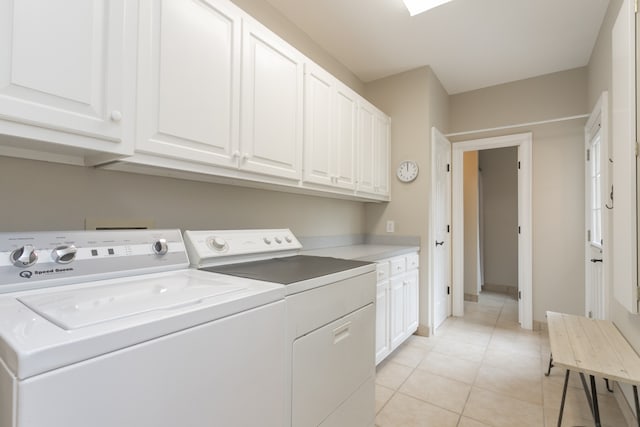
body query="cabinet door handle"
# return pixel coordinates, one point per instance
(116, 115)
(439, 243)
(594, 260)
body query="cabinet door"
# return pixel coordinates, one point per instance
(381, 167)
(189, 80)
(346, 115)
(382, 321)
(411, 302)
(318, 135)
(63, 68)
(272, 89)
(397, 312)
(366, 147)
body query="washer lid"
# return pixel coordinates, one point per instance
(78, 308)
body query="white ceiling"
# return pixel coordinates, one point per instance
(469, 44)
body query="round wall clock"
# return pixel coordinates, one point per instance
(407, 171)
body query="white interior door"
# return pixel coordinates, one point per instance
(596, 202)
(440, 241)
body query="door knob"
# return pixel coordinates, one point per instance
(439, 243)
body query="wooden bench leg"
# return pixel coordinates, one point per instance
(564, 396)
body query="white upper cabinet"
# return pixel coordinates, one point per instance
(272, 96)
(189, 81)
(319, 139)
(381, 149)
(330, 130)
(373, 151)
(67, 71)
(346, 122)
(366, 147)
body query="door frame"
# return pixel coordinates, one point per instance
(525, 242)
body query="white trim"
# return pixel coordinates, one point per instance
(516, 126)
(525, 243)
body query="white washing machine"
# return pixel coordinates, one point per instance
(330, 344)
(111, 328)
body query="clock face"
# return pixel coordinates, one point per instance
(407, 171)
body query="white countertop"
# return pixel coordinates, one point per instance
(363, 252)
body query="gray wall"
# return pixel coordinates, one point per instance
(500, 216)
(60, 197)
(416, 101)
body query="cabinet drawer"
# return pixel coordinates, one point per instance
(382, 271)
(398, 265)
(413, 261)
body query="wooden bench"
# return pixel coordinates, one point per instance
(595, 348)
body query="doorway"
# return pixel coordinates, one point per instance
(491, 223)
(525, 296)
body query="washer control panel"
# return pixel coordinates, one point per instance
(49, 258)
(214, 247)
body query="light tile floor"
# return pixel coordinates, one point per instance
(481, 370)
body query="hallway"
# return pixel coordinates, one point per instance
(481, 370)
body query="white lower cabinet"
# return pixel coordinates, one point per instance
(397, 303)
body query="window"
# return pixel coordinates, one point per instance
(595, 182)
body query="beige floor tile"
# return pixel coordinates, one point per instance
(508, 358)
(405, 411)
(437, 390)
(517, 383)
(383, 395)
(459, 349)
(577, 412)
(459, 332)
(392, 375)
(468, 422)
(423, 343)
(457, 369)
(499, 410)
(408, 355)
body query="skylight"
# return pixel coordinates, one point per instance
(416, 7)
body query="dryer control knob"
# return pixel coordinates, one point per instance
(267, 240)
(218, 243)
(278, 240)
(288, 239)
(64, 254)
(24, 257)
(160, 246)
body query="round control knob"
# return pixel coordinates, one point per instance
(278, 240)
(218, 243)
(64, 254)
(288, 239)
(24, 257)
(116, 115)
(267, 240)
(160, 246)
